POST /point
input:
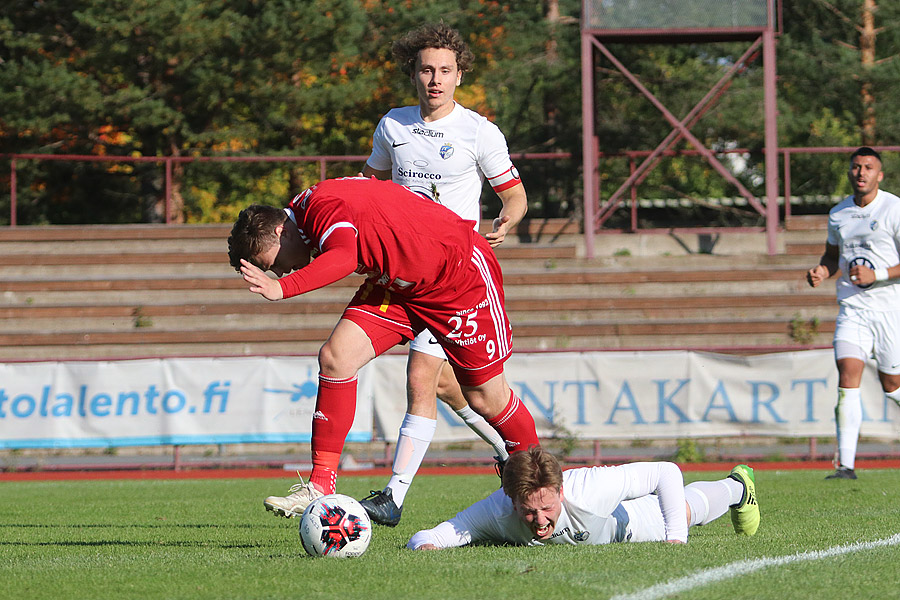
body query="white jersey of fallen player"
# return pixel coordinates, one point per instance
(601, 505)
(445, 160)
(870, 236)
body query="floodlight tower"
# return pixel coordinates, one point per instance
(677, 22)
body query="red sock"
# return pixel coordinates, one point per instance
(515, 425)
(335, 408)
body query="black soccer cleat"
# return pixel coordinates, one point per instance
(843, 473)
(381, 508)
(498, 467)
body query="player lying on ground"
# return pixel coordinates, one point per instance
(426, 268)
(640, 502)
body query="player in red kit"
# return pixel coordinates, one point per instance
(425, 267)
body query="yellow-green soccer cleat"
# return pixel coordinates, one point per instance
(745, 514)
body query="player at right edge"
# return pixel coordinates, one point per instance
(864, 244)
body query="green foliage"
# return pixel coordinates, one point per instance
(688, 452)
(196, 78)
(139, 319)
(200, 78)
(804, 331)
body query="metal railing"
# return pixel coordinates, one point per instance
(323, 162)
(169, 161)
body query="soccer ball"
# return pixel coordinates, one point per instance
(335, 525)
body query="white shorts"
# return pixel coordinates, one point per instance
(875, 332)
(426, 343)
(645, 520)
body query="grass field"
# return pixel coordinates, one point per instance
(212, 538)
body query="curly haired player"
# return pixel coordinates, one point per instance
(444, 152)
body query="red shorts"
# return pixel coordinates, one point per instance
(465, 313)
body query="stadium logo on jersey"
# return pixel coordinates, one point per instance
(446, 151)
(428, 132)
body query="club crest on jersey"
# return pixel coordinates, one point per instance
(873, 225)
(446, 151)
(581, 536)
(861, 260)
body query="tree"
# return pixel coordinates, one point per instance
(197, 78)
(839, 78)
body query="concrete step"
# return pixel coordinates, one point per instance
(305, 312)
(81, 257)
(807, 223)
(101, 292)
(135, 342)
(524, 341)
(551, 286)
(811, 249)
(56, 264)
(148, 237)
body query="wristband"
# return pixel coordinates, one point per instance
(881, 274)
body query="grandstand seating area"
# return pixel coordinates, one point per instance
(130, 291)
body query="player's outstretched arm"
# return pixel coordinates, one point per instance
(515, 205)
(445, 535)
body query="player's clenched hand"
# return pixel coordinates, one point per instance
(862, 275)
(260, 283)
(427, 547)
(501, 227)
(817, 275)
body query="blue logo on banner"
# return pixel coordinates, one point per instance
(307, 389)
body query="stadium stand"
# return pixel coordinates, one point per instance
(133, 291)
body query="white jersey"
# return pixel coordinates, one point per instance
(870, 236)
(600, 505)
(445, 160)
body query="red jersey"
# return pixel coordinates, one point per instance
(406, 243)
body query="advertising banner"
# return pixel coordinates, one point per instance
(589, 395)
(165, 401)
(663, 394)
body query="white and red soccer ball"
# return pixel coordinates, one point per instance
(335, 525)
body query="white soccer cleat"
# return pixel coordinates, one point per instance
(293, 505)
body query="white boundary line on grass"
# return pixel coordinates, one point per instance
(744, 567)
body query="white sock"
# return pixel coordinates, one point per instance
(481, 427)
(416, 434)
(709, 500)
(895, 396)
(848, 417)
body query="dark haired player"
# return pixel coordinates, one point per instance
(864, 245)
(425, 268)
